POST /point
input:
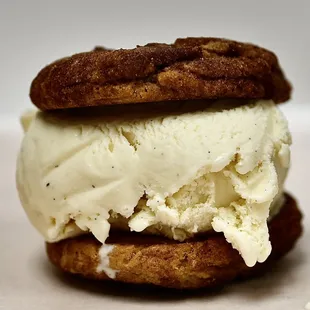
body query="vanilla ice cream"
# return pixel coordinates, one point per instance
(176, 174)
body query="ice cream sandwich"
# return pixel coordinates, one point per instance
(164, 164)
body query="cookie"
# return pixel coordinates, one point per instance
(207, 261)
(191, 68)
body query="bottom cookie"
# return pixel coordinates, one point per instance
(207, 261)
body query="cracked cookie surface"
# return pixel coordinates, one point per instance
(207, 261)
(190, 68)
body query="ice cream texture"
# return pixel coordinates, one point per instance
(177, 174)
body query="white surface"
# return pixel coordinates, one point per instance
(36, 32)
(29, 282)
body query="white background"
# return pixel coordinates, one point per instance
(34, 33)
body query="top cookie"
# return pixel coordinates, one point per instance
(191, 68)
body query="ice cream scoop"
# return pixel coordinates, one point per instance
(219, 168)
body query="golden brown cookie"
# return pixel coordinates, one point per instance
(191, 68)
(207, 261)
